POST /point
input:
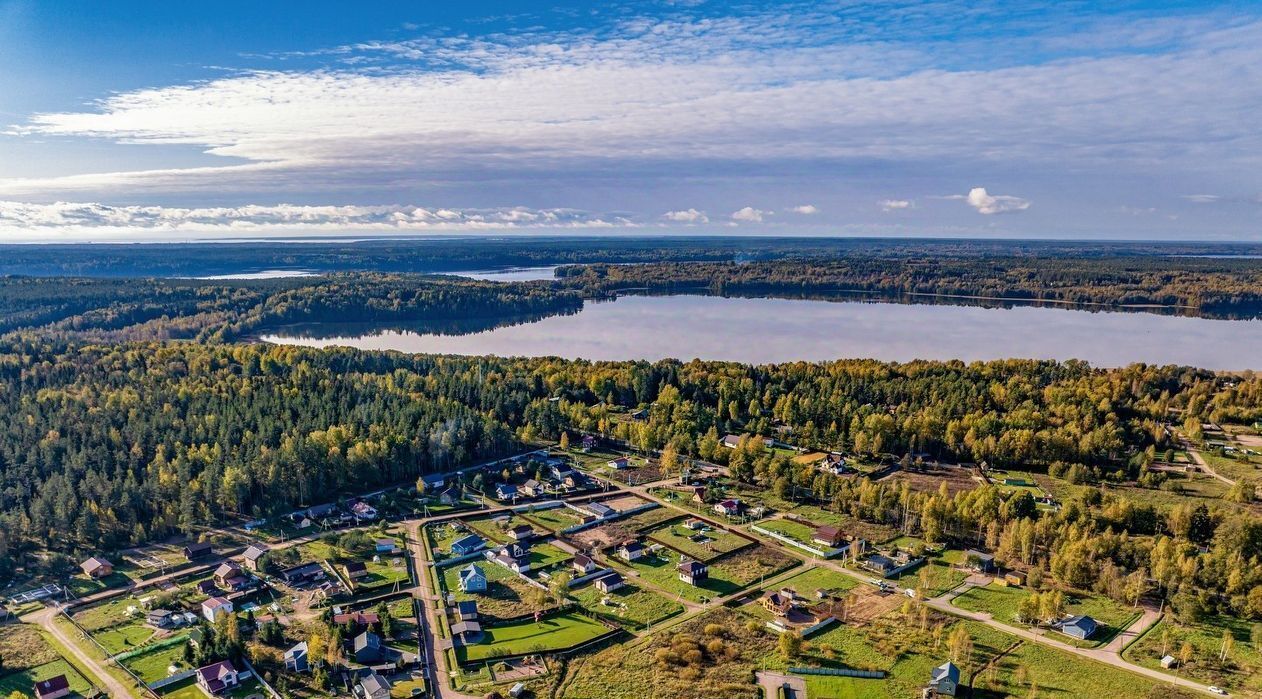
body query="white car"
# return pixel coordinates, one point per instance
(1218, 690)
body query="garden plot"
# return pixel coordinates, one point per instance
(629, 605)
(506, 593)
(704, 544)
(1001, 603)
(553, 519)
(495, 529)
(21, 681)
(1241, 672)
(153, 664)
(553, 633)
(726, 576)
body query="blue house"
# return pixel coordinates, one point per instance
(505, 491)
(1079, 627)
(467, 544)
(472, 579)
(945, 679)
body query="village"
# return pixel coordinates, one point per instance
(473, 583)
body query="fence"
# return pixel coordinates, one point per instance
(172, 679)
(607, 518)
(839, 672)
(822, 553)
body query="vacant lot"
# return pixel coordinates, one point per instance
(554, 519)
(705, 545)
(23, 646)
(1001, 603)
(384, 573)
(495, 528)
(1241, 672)
(152, 664)
(727, 575)
(553, 633)
(22, 681)
(630, 605)
(505, 594)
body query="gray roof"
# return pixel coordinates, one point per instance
(373, 686)
(297, 651)
(946, 671)
(366, 639)
(255, 552)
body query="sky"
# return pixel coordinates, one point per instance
(201, 121)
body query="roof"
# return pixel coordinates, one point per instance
(522, 529)
(600, 508)
(470, 541)
(470, 570)
(691, 567)
(255, 552)
(297, 651)
(582, 560)
(364, 618)
(467, 608)
(612, 577)
(730, 503)
(1085, 623)
(200, 547)
(215, 671)
(51, 685)
(632, 545)
(355, 566)
(827, 531)
(94, 563)
(373, 685)
(214, 603)
(227, 568)
(366, 640)
(974, 553)
(946, 671)
(466, 627)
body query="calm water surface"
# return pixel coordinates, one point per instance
(512, 274)
(759, 330)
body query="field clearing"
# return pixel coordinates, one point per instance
(728, 575)
(384, 573)
(709, 544)
(22, 646)
(553, 519)
(495, 528)
(794, 530)
(808, 581)
(1001, 603)
(1241, 673)
(125, 637)
(553, 633)
(152, 665)
(631, 604)
(545, 555)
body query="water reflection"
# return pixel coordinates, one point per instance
(762, 330)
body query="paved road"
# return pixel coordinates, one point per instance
(44, 619)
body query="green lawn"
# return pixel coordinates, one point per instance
(124, 637)
(635, 606)
(1001, 603)
(544, 555)
(82, 585)
(24, 680)
(553, 519)
(152, 665)
(384, 573)
(553, 633)
(703, 546)
(490, 529)
(505, 592)
(1242, 672)
(727, 575)
(810, 580)
(184, 690)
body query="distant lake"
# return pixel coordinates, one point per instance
(511, 274)
(262, 274)
(765, 330)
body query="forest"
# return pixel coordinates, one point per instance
(1205, 286)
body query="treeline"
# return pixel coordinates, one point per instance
(423, 255)
(149, 309)
(1216, 286)
(107, 445)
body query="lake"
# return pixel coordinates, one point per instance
(765, 330)
(511, 274)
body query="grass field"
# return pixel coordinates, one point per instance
(632, 605)
(22, 646)
(807, 582)
(82, 585)
(124, 637)
(1001, 603)
(553, 519)
(553, 633)
(544, 555)
(793, 530)
(184, 690)
(23, 680)
(490, 528)
(152, 665)
(384, 573)
(1242, 672)
(709, 544)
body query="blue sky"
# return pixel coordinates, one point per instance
(153, 121)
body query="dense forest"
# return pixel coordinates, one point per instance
(109, 444)
(1208, 286)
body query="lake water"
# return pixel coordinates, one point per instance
(762, 330)
(263, 274)
(512, 274)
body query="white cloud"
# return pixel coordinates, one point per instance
(805, 209)
(1203, 198)
(987, 203)
(21, 220)
(706, 96)
(749, 215)
(896, 204)
(686, 216)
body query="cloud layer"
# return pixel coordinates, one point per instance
(988, 204)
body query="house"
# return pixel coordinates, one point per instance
(532, 488)
(1014, 577)
(559, 471)
(372, 686)
(356, 619)
(254, 557)
(215, 608)
(693, 572)
(513, 557)
(600, 509)
(891, 564)
(731, 441)
(433, 483)
(296, 658)
(521, 532)
(698, 494)
(835, 464)
(979, 561)
(695, 524)
(609, 583)
(193, 552)
(319, 512)
(363, 510)
(472, 579)
(196, 636)
(780, 602)
(386, 545)
(97, 568)
(467, 631)
(588, 443)
(1168, 662)
(828, 535)
(451, 495)
(584, 565)
(303, 573)
(366, 648)
(355, 570)
(228, 575)
(207, 587)
(52, 688)
(467, 544)
(505, 491)
(631, 550)
(731, 507)
(944, 679)
(160, 618)
(219, 677)
(1079, 627)
(467, 610)
(619, 463)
